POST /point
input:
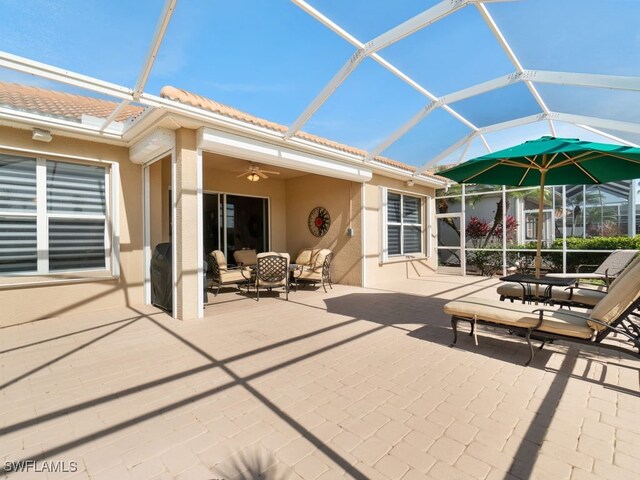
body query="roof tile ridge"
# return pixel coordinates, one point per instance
(184, 96)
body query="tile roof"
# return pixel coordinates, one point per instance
(71, 107)
(60, 104)
(188, 98)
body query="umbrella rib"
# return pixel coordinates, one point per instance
(622, 158)
(523, 176)
(466, 180)
(548, 165)
(587, 173)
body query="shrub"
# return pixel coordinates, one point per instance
(476, 230)
(486, 262)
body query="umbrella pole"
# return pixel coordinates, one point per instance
(538, 262)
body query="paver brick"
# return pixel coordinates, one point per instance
(392, 432)
(392, 467)
(310, 467)
(371, 450)
(596, 448)
(447, 450)
(412, 456)
(473, 466)
(461, 432)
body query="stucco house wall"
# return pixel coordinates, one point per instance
(342, 199)
(377, 271)
(28, 298)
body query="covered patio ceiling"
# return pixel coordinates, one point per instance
(426, 83)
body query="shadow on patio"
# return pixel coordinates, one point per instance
(276, 389)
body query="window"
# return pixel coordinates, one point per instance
(53, 216)
(404, 224)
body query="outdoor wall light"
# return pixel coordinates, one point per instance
(252, 177)
(41, 135)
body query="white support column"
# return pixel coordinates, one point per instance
(463, 236)
(504, 230)
(633, 200)
(564, 228)
(186, 230)
(146, 234)
(200, 233)
(363, 234)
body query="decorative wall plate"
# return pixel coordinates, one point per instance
(319, 221)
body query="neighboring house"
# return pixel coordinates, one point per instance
(87, 192)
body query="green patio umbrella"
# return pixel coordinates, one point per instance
(550, 161)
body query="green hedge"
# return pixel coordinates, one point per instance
(490, 262)
(600, 243)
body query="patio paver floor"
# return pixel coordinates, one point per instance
(356, 383)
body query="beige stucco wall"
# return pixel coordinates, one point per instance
(342, 199)
(378, 273)
(216, 180)
(35, 301)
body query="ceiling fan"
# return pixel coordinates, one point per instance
(253, 173)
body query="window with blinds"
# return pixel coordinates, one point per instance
(404, 224)
(53, 216)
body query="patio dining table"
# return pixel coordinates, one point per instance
(528, 281)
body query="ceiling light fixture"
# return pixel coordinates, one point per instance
(252, 177)
(41, 135)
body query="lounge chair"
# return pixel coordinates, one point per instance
(615, 312)
(221, 274)
(272, 271)
(585, 297)
(609, 269)
(317, 272)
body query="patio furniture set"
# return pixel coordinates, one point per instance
(269, 270)
(614, 307)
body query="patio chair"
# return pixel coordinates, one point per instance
(318, 272)
(221, 274)
(272, 271)
(246, 257)
(615, 312)
(607, 270)
(307, 257)
(574, 296)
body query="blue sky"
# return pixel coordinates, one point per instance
(269, 58)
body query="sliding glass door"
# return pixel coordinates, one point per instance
(234, 222)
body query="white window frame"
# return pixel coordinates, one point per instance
(42, 216)
(385, 223)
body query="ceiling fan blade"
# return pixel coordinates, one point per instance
(260, 173)
(242, 174)
(270, 172)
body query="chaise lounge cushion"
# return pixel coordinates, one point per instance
(619, 298)
(519, 315)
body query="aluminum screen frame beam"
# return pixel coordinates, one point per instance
(493, 26)
(158, 36)
(428, 17)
